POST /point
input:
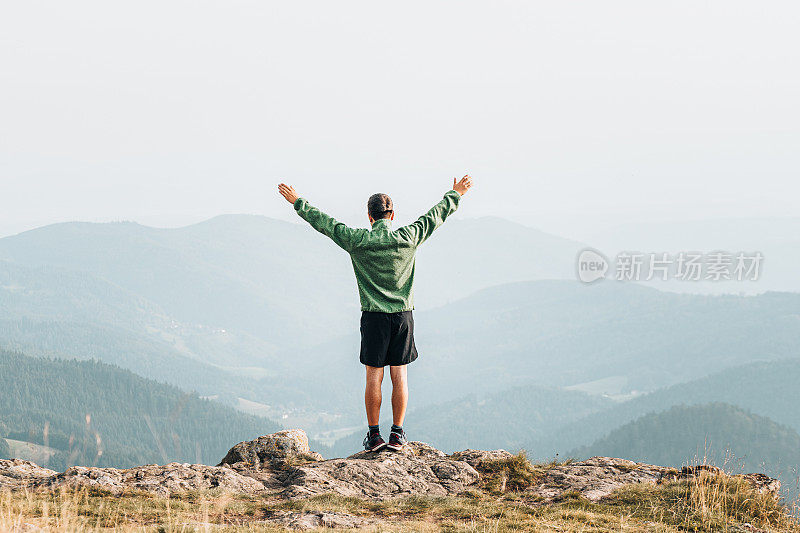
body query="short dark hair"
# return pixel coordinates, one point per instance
(379, 205)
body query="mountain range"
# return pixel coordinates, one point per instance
(226, 306)
(263, 315)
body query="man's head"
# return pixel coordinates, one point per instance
(380, 206)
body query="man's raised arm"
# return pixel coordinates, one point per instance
(423, 227)
(339, 232)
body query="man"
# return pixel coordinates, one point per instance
(383, 261)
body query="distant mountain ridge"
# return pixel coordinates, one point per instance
(229, 272)
(260, 275)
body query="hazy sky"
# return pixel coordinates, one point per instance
(569, 115)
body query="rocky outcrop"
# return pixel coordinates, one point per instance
(275, 451)
(269, 459)
(598, 477)
(593, 479)
(475, 458)
(282, 466)
(419, 469)
(316, 519)
(159, 479)
(279, 464)
(16, 473)
(761, 483)
(283, 461)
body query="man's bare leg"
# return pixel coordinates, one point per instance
(372, 394)
(399, 376)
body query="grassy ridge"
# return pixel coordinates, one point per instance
(707, 503)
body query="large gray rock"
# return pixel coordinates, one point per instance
(16, 473)
(597, 477)
(594, 478)
(419, 469)
(761, 483)
(277, 450)
(476, 457)
(315, 519)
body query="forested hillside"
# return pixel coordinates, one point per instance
(5, 452)
(766, 388)
(93, 413)
(716, 433)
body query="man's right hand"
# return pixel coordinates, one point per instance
(288, 192)
(463, 185)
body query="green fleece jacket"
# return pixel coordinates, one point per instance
(383, 259)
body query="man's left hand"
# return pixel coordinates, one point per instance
(288, 192)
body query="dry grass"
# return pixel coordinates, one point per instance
(91, 510)
(513, 474)
(707, 503)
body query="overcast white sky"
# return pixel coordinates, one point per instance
(569, 115)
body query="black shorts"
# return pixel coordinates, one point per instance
(387, 338)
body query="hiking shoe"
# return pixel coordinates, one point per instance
(397, 439)
(373, 442)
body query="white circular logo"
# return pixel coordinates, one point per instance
(591, 265)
